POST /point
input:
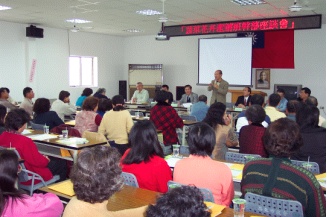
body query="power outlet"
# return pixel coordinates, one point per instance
(321, 107)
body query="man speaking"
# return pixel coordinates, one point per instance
(219, 88)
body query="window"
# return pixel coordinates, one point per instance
(83, 71)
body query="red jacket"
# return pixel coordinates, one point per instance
(34, 161)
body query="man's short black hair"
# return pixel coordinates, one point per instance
(257, 99)
(306, 90)
(249, 89)
(188, 86)
(281, 90)
(26, 90)
(165, 86)
(203, 98)
(274, 99)
(63, 94)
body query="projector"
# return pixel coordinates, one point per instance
(162, 37)
(295, 8)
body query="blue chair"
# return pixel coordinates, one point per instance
(36, 126)
(207, 194)
(270, 206)
(130, 179)
(240, 158)
(314, 166)
(188, 117)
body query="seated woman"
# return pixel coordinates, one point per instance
(251, 135)
(43, 115)
(200, 170)
(277, 176)
(101, 94)
(86, 93)
(3, 113)
(181, 201)
(116, 125)
(314, 137)
(14, 202)
(104, 106)
(145, 158)
(15, 124)
(96, 177)
(88, 119)
(221, 123)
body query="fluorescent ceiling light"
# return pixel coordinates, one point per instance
(133, 30)
(148, 12)
(3, 8)
(78, 21)
(248, 2)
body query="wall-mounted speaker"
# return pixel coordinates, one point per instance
(123, 89)
(34, 32)
(179, 92)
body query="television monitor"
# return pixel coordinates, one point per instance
(292, 91)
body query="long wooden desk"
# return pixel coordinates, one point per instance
(131, 197)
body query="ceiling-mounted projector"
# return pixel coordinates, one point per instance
(162, 37)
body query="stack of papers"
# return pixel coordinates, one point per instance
(73, 141)
(214, 209)
(26, 132)
(171, 161)
(237, 170)
(65, 187)
(42, 136)
(322, 179)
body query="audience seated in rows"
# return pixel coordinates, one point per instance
(200, 108)
(278, 177)
(100, 93)
(96, 176)
(116, 125)
(14, 202)
(46, 167)
(86, 93)
(3, 113)
(313, 101)
(43, 115)
(314, 137)
(140, 95)
(271, 109)
(189, 96)
(283, 101)
(165, 118)
(145, 158)
(184, 201)
(27, 103)
(88, 119)
(221, 123)
(256, 99)
(202, 171)
(243, 101)
(62, 105)
(104, 106)
(4, 96)
(165, 87)
(251, 136)
(291, 108)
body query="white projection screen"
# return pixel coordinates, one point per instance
(231, 55)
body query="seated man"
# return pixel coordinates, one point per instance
(27, 103)
(180, 201)
(283, 101)
(4, 96)
(277, 176)
(189, 96)
(243, 101)
(291, 108)
(271, 109)
(165, 87)
(313, 101)
(62, 105)
(140, 95)
(200, 109)
(243, 121)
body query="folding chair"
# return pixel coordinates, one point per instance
(240, 158)
(130, 179)
(36, 126)
(314, 167)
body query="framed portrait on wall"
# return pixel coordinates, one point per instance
(262, 78)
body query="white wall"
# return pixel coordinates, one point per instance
(179, 57)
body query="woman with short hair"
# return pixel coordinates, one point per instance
(88, 119)
(200, 170)
(104, 106)
(276, 176)
(14, 202)
(145, 158)
(86, 93)
(96, 176)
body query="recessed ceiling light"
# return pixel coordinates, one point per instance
(3, 8)
(133, 30)
(148, 12)
(248, 2)
(78, 21)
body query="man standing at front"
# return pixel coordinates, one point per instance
(140, 95)
(219, 88)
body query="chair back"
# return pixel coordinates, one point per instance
(188, 117)
(239, 157)
(130, 179)
(97, 137)
(36, 126)
(207, 194)
(269, 206)
(314, 167)
(71, 130)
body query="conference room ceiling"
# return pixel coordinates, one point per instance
(114, 17)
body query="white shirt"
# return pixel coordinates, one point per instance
(27, 105)
(63, 109)
(141, 96)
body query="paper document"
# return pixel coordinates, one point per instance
(72, 141)
(215, 209)
(42, 136)
(65, 187)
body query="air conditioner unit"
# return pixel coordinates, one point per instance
(162, 37)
